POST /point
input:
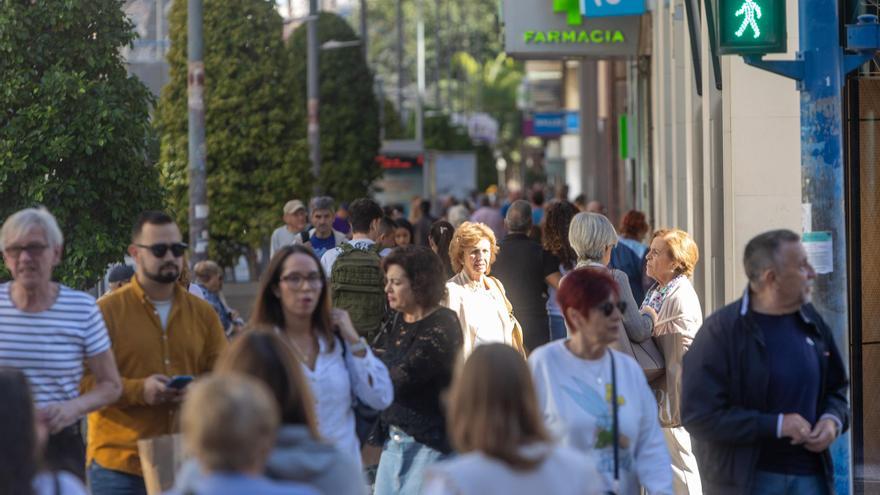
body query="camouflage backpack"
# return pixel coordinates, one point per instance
(357, 285)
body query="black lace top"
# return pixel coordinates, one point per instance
(420, 357)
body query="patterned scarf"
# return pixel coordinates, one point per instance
(658, 293)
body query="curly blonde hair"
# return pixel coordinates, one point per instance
(682, 249)
(466, 236)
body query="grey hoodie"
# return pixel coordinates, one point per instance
(299, 457)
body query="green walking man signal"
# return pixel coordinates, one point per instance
(750, 27)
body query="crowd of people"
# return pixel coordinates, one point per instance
(523, 348)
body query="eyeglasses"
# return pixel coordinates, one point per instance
(159, 250)
(295, 280)
(608, 307)
(32, 250)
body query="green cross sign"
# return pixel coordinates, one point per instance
(747, 27)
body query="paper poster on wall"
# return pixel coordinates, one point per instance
(820, 251)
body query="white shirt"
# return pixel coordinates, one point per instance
(330, 256)
(163, 310)
(574, 396)
(481, 311)
(335, 381)
(564, 471)
(49, 346)
(282, 237)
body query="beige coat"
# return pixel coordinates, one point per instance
(680, 317)
(482, 310)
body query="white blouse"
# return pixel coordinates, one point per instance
(335, 381)
(481, 310)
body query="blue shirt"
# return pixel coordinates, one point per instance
(321, 246)
(793, 388)
(239, 484)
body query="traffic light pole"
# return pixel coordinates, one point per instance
(820, 71)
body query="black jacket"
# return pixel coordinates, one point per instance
(724, 390)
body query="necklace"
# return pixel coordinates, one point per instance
(304, 357)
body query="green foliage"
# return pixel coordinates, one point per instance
(256, 155)
(349, 111)
(74, 127)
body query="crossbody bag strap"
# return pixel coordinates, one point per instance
(614, 423)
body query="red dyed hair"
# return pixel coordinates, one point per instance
(584, 289)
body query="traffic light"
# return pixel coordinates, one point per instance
(750, 26)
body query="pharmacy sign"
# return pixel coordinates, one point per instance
(572, 28)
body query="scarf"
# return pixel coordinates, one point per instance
(658, 293)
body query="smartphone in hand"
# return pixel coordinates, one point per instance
(179, 382)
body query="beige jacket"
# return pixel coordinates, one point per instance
(482, 311)
(680, 317)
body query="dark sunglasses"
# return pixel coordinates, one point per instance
(608, 307)
(159, 250)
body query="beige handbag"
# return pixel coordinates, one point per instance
(161, 458)
(517, 332)
(649, 357)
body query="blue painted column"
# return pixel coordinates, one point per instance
(823, 175)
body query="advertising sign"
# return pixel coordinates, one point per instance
(572, 28)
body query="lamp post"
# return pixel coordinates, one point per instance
(313, 94)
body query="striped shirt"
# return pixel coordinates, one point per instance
(49, 346)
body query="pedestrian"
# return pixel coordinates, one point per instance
(526, 270)
(477, 298)
(294, 299)
(49, 332)
(322, 237)
(299, 453)
(596, 399)
(295, 218)
(420, 348)
(229, 423)
(555, 241)
(355, 271)
(671, 262)
(592, 237)
(763, 384)
(387, 236)
(489, 215)
(439, 239)
(404, 234)
(24, 436)
(633, 229)
(537, 205)
(504, 448)
(118, 276)
(422, 226)
(209, 278)
(159, 332)
(340, 223)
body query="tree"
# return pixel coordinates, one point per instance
(256, 158)
(349, 111)
(74, 127)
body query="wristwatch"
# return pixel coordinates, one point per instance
(359, 346)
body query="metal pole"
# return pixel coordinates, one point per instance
(823, 185)
(364, 31)
(401, 77)
(420, 63)
(314, 97)
(438, 55)
(198, 193)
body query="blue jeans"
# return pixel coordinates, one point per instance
(402, 465)
(557, 328)
(767, 483)
(103, 481)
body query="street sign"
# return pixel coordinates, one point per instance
(750, 27)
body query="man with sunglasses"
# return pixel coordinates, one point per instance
(48, 331)
(159, 331)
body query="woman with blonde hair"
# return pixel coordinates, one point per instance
(495, 423)
(476, 297)
(671, 261)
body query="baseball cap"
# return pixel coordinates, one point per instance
(293, 206)
(119, 273)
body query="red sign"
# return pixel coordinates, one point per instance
(400, 162)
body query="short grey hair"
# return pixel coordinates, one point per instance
(321, 203)
(762, 250)
(20, 222)
(519, 216)
(589, 235)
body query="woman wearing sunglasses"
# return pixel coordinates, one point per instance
(576, 379)
(294, 298)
